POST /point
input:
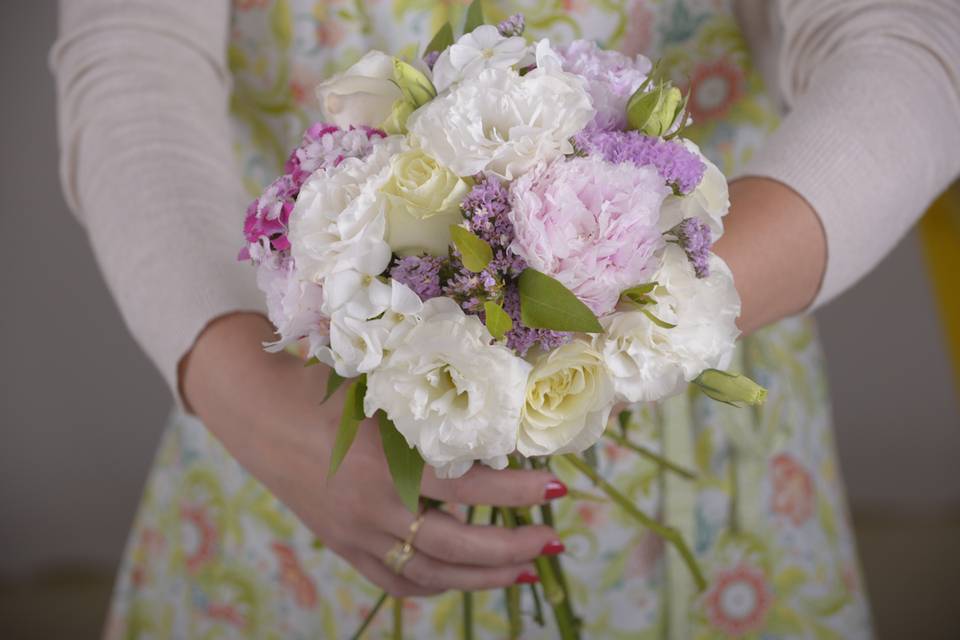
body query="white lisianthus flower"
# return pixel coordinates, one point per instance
(358, 295)
(709, 201)
(339, 221)
(482, 48)
(569, 396)
(294, 306)
(358, 345)
(451, 393)
(649, 362)
(503, 122)
(364, 94)
(423, 200)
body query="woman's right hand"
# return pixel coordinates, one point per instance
(266, 410)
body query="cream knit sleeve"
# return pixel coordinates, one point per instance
(147, 166)
(872, 131)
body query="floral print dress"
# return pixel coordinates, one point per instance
(214, 555)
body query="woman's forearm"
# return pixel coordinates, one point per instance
(776, 248)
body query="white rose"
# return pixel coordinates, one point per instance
(709, 201)
(503, 122)
(339, 222)
(293, 305)
(648, 362)
(423, 199)
(451, 393)
(482, 48)
(568, 401)
(358, 345)
(364, 94)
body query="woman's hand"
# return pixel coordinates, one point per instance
(266, 410)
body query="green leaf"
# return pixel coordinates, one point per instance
(334, 382)
(406, 465)
(474, 16)
(474, 251)
(640, 294)
(441, 40)
(498, 322)
(547, 304)
(311, 362)
(350, 421)
(663, 324)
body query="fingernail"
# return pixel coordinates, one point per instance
(555, 489)
(527, 578)
(553, 548)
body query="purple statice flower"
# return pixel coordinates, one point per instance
(420, 273)
(430, 59)
(512, 26)
(522, 338)
(487, 210)
(471, 289)
(326, 145)
(681, 168)
(693, 235)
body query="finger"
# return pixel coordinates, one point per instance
(432, 574)
(445, 538)
(501, 488)
(398, 586)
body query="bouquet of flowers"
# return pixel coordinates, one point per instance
(495, 245)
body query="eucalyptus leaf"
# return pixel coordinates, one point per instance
(474, 16)
(404, 461)
(498, 321)
(334, 382)
(442, 39)
(350, 421)
(475, 253)
(547, 304)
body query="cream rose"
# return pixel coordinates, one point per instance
(364, 94)
(569, 397)
(423, 200)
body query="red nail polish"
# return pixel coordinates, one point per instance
(555, 489)
(527, 578)
(553, 548)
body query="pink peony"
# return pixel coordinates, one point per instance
(590, 224)
(611, 77)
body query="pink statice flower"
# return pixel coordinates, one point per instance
(590, 224)
(611, 78)
(327, 145)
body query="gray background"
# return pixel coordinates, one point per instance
(81, 409)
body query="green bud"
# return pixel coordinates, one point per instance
(731, 388)
(415, 86)
(654, 112)
(396, 122)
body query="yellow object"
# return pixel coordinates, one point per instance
(940, 234)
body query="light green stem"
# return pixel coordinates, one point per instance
(512, 595)
(397, 619)
(650, 455)
(468, 596)
(370, 616)
(669, 534)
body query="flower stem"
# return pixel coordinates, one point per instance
(397, 619)
(468, 596)
(668, 533)
(650, 455)
(370, 616)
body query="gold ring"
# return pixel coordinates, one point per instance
(398, 556)
(414, 528)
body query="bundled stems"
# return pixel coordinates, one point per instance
(468, 595)
(397, 619)
(668, 533)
